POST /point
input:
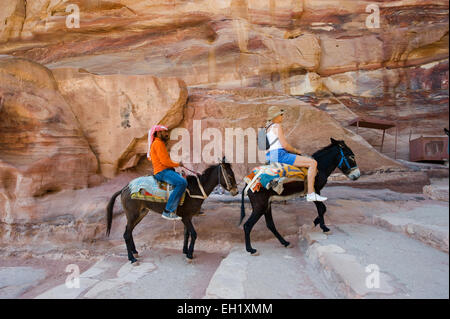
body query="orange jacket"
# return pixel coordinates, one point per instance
(160, 157)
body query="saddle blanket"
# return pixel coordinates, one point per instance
(273, 176)
(148, 188)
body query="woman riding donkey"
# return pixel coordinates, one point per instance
(282, 152)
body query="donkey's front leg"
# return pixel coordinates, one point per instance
(321, 209)
(193, 234)
(186, 239)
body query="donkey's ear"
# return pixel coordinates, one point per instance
(224, 160)
(333, 141)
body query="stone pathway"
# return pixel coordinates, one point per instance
(383, 245)
(408, 268)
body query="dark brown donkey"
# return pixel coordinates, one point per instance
(136, 209)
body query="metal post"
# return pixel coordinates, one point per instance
(396, 134)
(382, 142)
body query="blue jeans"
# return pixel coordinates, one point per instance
(173, 178)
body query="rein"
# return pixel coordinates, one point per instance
(203, 196)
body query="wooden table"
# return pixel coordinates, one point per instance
(370, 122)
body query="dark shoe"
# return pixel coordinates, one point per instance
(170, 216)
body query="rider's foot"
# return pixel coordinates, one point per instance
(200, 213)
(313, 197)
(170, 216)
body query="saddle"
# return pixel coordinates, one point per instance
(148, 188)
(275, 176)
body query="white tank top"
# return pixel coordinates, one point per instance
(271, 136)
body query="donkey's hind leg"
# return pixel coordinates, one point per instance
(248, 226)
(128, 236)
(193, 234)
(321, 209)
(271, 225)
(142, 214)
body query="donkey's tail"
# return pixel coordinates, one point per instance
(242, 205)
(109, 212)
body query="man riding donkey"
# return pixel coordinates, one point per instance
(144, 194)
(163, 169)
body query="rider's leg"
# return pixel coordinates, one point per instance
(173, 178)
(311, 164)
(180, 185)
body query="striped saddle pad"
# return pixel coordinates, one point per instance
(274, 176)
(149, 189)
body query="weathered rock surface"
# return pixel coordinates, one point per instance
(116, 111)
(437, 190)
(227, 43)
(42, 148)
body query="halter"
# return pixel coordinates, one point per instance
(225, 177)
(204, 196)
(344, 160)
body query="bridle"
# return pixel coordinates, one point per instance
(344, 160)
(225, 177)
(204, 196)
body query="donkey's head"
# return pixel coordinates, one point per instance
(347, 162)
(226, 177)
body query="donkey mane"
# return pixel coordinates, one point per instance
(206, 173)
(323, 150)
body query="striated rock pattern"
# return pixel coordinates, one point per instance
(116, 111)
(227, 43)
(42, 147)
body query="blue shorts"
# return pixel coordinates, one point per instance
(280, 155)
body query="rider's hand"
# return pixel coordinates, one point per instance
(181, 164)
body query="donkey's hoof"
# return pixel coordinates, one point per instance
(189, 260)
(135, 263)
(327, 232)
(136, 255)
(316, 221)
(255, 253)
(289, 245)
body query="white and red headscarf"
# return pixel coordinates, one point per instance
(151, 133)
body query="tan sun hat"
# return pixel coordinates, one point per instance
(273, 112)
